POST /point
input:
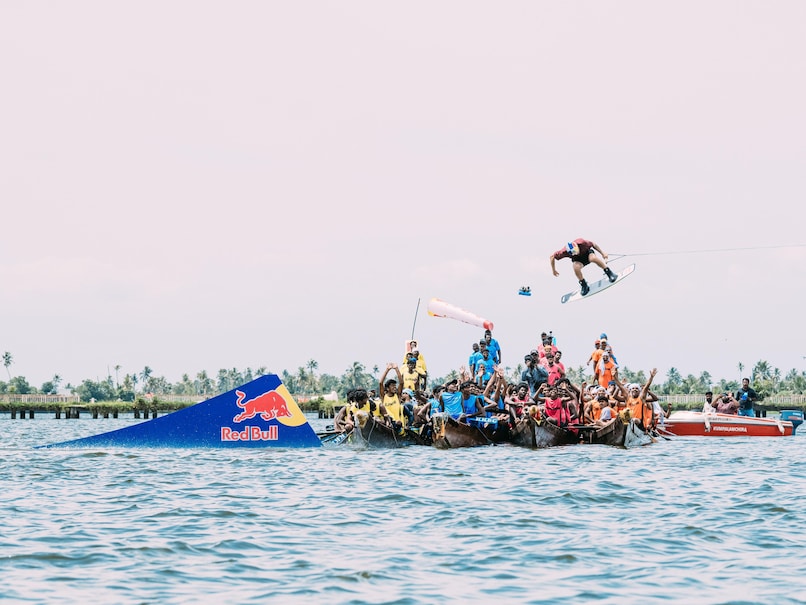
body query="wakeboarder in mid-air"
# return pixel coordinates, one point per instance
(582, 252)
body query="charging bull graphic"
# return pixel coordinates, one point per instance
(268, 405)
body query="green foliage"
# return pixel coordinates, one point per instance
(100, 391)
(20, 385)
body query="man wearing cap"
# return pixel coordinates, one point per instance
(450, 400)
(582, 252)
(534, 375)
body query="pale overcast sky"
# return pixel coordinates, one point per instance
(196, 185)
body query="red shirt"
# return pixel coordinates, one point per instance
(585, 248)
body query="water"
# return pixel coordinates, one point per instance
(690, 520)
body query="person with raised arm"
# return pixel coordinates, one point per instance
(391, 406)
(582, 252)
(636, 399)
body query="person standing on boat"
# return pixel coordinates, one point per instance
(412, 351)
(582, 252)
(474, 359)
(555, 371)
(534, 375)
(547, 343)
(493, 346)
(605, 370)
(747, 398)
(413, 378)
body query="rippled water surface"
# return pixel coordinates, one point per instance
(689, 520)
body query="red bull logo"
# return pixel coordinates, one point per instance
(250, 433)
(269, 406)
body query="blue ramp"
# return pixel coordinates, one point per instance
(259, 414)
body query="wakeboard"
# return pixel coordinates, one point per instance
(597, 286)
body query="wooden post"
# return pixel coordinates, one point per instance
(58, 414)
(115, 414)
(13, 413)
(154, 414)
(30, 413)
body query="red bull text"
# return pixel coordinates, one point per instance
(250, 433)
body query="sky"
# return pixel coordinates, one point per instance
(195, 185)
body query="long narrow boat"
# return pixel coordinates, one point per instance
(610, 433)
(450, 433)
(371, 433)
(689, 424)
(539, 434)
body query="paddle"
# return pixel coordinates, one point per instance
(334, 437)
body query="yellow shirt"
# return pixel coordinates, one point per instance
(394, 408)
(411, 378)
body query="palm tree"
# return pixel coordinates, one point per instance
(312, 365)
(145, 375)
(290, 382)
(7, 361)
(741, 370)
(705, 380)
(56, 382)
(354, 376)
(203, 383)
(673, 380)
(223, 381)
(302, 377)
(762, 371)
(117, 369)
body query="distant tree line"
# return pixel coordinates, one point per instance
(305, 381)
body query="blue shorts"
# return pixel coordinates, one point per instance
(747, 412)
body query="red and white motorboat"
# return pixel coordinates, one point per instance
(685, 423)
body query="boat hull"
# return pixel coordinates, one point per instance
(611, 433)
(371, 433)
(691, 424)
(450, 434)
(536, 435)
